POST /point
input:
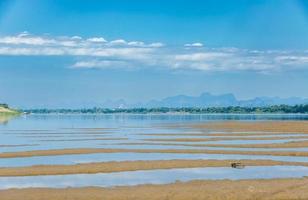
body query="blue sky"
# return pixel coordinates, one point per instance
(74, 53)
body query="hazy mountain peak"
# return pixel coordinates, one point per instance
(207, 99)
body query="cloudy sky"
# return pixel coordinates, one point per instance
(74, 53)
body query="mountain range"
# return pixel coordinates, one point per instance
(207, 100)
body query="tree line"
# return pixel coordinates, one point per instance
(4, 105)
(192, 110)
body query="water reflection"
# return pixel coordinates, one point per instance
(153, 177)
(163, 117)
(108, 157)
(4, 119)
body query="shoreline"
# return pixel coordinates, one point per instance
(177, 113)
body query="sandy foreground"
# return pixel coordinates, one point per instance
(219, 190)
(107, 167)
(205, 189)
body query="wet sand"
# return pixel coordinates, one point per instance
(107, 167)
(222, 189)
(224, 138)
(228, 134)
(245, 134)
(292, 144)
(262, 126)
(274, 189)
(101, 150)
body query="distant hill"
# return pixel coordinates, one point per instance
(204, 100)
(224, 100)
(269, 101)
(277, 109)
(208, 100)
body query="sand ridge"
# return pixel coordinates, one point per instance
(292, 144)
(274, 189)
(180, 151)
(107, 167)
(263, 126)
(224, 139)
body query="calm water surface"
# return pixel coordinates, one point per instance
(44, 132)
(162, 176)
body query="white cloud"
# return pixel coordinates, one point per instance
(156, 44)
(196, 44)
(102, 64)
(76, 37)
(123, 53)
(23, 34)
(24, 51)
(118, 42)
(136, 43)
(25, 39)
(292, 59)
(199, 57)
(96, 52)
(97, 39)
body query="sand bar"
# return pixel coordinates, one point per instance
(224, 138)
(219, 190)
(222, 134)
(262, 126)
(107, 167)
(292, 144)
(102, 150)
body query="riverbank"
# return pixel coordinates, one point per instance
(7, 113)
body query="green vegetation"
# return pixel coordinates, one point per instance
(7, 113)
(4, 105)
(277, 109)
(6, 110)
